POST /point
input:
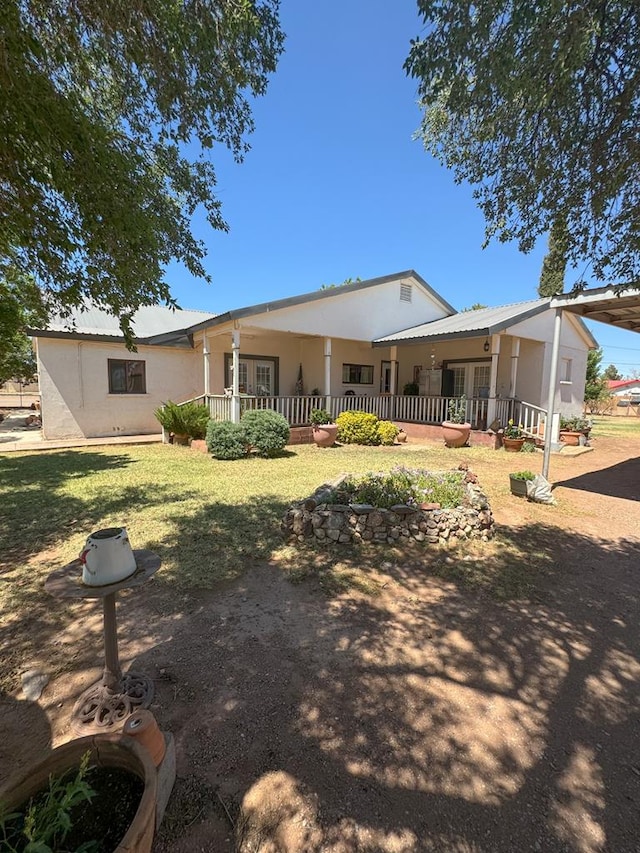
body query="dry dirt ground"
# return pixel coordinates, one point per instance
(427, 718)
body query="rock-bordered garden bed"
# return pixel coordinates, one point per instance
(318, 518)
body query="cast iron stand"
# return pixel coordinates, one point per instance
(105, 705)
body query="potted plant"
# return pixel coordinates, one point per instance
(513, 437)
(518, 482)
(183, 422)
(570, 431)
(324, 429)
(64, 797)
(456, 428)
(411, 389)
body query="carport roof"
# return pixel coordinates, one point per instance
(616, 307)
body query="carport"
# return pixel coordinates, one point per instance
(608, 305)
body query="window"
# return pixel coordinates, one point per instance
(405, 293)
(565, 372)
(127, 377)
(357, 374)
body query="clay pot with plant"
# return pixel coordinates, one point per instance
(513, 437)
(95, 793)
(325, 430)
(456, 429)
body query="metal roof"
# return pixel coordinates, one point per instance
(468, 324)
(613, 306)
(156, 324)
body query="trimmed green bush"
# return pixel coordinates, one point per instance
(187, 419)
(227, 440)
(358, 428)
(266, 431)
(387, 432)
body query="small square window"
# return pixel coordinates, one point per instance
(127, 376)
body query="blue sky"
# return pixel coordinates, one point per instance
(335, 186)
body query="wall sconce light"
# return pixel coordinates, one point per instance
(487, 346)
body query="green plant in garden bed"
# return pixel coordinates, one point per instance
(402, 486)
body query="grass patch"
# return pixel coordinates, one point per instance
(619, 426)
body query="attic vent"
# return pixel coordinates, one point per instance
(405, 292)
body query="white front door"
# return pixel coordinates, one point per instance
(257, 377)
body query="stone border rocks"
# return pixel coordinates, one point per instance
(313, 519)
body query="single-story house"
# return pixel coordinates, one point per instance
(624, 387)
(363, 345)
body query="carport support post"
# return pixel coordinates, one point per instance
(549, 427)
(235, 376)
(493, 379)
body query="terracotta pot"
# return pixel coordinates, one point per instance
(570, 437)
(111, 750)
(401, 436)
(325, 435)
(513, 445)
(455, 435)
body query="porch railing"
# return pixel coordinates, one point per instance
(418, 409)
(531, 417)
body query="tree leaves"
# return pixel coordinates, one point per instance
(109, 111)
(537, 104)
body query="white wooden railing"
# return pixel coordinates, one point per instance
(532, 418)
(409, 409)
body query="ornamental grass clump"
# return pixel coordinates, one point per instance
(408, 486)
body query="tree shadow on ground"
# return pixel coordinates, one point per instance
(428, 718)
(619, 481)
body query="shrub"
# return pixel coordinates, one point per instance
(522, 475)
(227, 440)
(411, 389)
(387, 432)
(187, 419)
(266, 431)
(457, 410)
(402, 486)
(358, 428)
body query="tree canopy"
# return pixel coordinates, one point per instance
(20, 306)
(611, 372)
(537, 104)
(109, 111)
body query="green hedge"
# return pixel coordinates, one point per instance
(266, 431)
(226, 440)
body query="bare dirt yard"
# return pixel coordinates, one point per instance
(431, 716)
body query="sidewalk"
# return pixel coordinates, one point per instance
(16, 436)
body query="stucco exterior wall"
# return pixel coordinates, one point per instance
(74, 386)
(357, 315)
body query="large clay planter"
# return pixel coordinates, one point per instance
(111, 750)
(325, 435)
(513, 445)
(570, 437)
(455, 435)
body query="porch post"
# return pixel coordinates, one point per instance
(493, 380)
(393, 354)
(207, 381)
(327, 372)
(551, 423)
(235, 376)
(515, 354)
